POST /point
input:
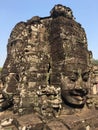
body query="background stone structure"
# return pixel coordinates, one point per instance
(41, 54)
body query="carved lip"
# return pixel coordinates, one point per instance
(78, 92)
(1, 100)
(1, 96)
(75, 95)
(79, 98)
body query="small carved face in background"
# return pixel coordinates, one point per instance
(75, 84)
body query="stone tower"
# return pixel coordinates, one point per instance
(46, 77)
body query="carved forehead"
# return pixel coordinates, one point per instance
(78, 65)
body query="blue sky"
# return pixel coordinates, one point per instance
(14, 11)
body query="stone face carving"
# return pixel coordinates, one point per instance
(46, 81)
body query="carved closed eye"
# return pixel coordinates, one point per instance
(85, 76)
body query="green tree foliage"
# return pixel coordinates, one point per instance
(0, 69)
(95, 61)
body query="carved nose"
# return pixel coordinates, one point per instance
(79, 83)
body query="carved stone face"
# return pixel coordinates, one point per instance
(75, 84)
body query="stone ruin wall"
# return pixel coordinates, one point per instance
(37, 53)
